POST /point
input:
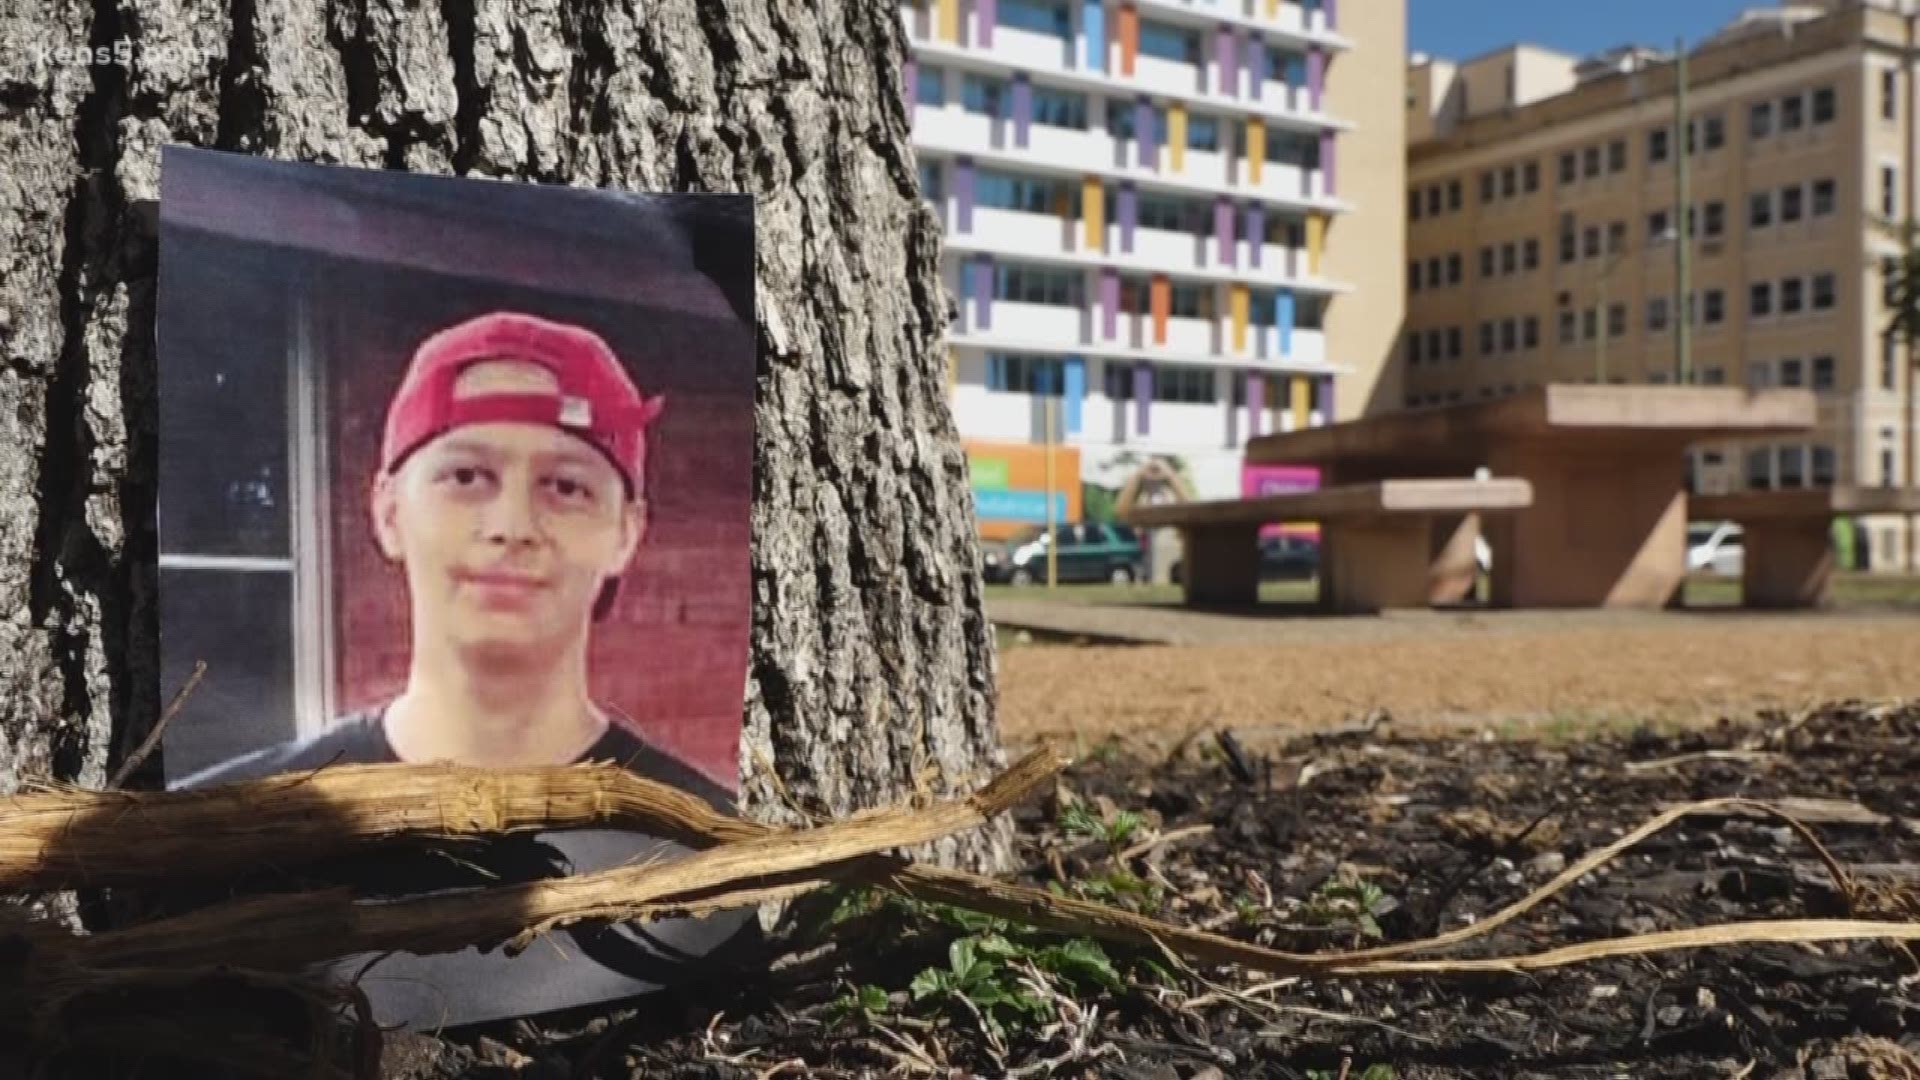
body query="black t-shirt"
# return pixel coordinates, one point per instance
(572, 966)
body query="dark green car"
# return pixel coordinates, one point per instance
(1088, 551)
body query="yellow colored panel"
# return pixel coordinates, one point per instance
(1302, 402)
(1093, 210)
(949, 20)
(1273, 9)
(1177, 137)
(1316, 241)
(1256, 149)
(1237, 306)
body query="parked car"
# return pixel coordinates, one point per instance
(1715, 548)
(1088, 551)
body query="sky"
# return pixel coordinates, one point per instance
(1458, 29)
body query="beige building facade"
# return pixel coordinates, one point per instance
(1544, 227)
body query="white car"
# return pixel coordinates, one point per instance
(1715, 548)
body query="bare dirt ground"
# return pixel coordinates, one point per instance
(1560, 674)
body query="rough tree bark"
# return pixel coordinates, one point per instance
(872, 669)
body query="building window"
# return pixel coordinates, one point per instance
(1616, 320)
(1822, 197)
(1822, 369)
(1509, 335)
(1822, 466)
(1021, 374)
(930, 182)
(1486, 339)
(1760, 300)
(1433, 345)
(1509, 259)
(1413, 349)
(1823, 105)
(1713, 376)
(1190, 301)
(1172, 214)
(1823, 292)
(1657, 313)
(1889, 191)
(1453, 268)
(1760, 120)
(1590, 162)
(1590, 242)
(1793, 463)
(1530, 254)
(1759, 375)
(1040, 16)
(1657, 225)
(1453, 343)
(1183, 385)
(1589, 324)
(1530, 332)
(1791, 202)
(1168, 42)
(1033, 195)
(1486, 188)
(1568, 241)
(930, 87)
(1509, 182)
(1791, 374)
(1032, 285)
(1203, 133)
(983, 95)
(1714, 131)
(1569, 166)
(1760, 210)
(1453, 194)
(1886, 481)
(1715, 304)
(1617, 156)
(1889, 94)
(1616, 237)
(1413, 276)
(1566, 327)
(1792, 112)
(1066, 109)
(1433, 271)
(1792, 296)
(1486, 262)
(1716, 219)
(1530, 174)
(1657, 145)
(1760, 469)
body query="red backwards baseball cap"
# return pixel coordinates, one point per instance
(595, 401)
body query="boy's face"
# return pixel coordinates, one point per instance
(506, 530)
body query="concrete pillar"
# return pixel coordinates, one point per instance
(1787, 563)
(1374, 564)
(1221, 564)
(1607, 528)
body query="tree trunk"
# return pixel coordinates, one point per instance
(871, 674)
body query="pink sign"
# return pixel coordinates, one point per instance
(1259, 480)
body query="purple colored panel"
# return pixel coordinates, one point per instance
(1142, 396)
(910, 80)
(1256, 233)
(1223, 230)
(1143, 130)
(1257, 62)
(1226, 70)
(1316, 76)
(1332, 8)
(985, 15)
(1256, 403)
(1323, 398)
(982, 292)
(1326, 160)
(963, 195)
(1022, 109)
(1110, 303)
(1129, 217)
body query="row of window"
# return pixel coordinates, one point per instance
(1021, 373)
(1815, 373)
(1790, 465)
(1790, 203)
(1704, 134)
(1068, 288)
(1072, 110)
(999, 190)
(1791, 295)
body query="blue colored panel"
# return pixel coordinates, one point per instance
(1283, 320)
(1023, 506)
(1076, 389)
(1093, 21)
